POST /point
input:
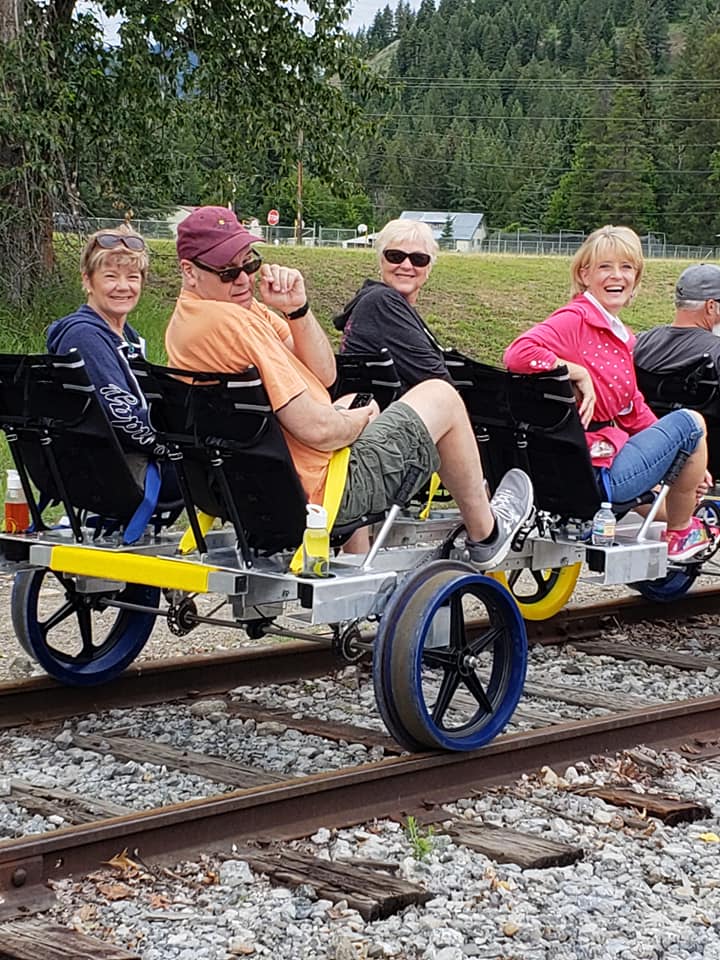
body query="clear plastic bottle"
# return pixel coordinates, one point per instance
(603, 526)
(316, 543)
(17, 514)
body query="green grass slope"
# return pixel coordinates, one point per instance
(475, 302)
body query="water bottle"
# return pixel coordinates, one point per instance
(17, 514)
(603, 526)
(316, 543)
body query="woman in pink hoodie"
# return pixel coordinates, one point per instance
(630, 448)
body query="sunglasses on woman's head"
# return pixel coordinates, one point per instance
(108, 241)
(228, 274)
(417, 259)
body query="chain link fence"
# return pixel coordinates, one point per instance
(566, 242)
(563, 243)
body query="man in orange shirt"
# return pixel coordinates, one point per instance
(219, 326)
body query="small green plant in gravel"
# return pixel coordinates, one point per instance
(421, 840)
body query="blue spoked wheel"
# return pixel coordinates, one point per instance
(709, 511)
(77, 637)
(670, 587)
(437, 684)
(680, 579)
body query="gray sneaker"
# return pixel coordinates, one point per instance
(511, 505)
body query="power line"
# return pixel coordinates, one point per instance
(505, 119)
(580, 83)
(479, 164)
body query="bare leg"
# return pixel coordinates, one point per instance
(358, 542)
(444, 414)
(682, 496)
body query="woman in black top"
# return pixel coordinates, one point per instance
(382, 313)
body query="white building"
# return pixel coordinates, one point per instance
(468, 229)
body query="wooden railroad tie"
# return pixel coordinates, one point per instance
(38, 940)
(330, 729)
(372, 892)
(701, 749)
(187, 761)
(527, 850)
(668, 809)
(644, 653)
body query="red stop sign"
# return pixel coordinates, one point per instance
(273, 218)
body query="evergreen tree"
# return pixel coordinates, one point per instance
(550, 113)
(564, 33)
(657, 34)
(404, 18)
(447, 237)
(382, 30)
(691, 213)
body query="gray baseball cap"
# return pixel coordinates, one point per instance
(699, 282)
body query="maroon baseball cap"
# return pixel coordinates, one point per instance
(213, 235)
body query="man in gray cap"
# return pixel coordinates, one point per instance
(694, 331)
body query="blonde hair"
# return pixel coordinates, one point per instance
(400, 231)
(604, 240)
(94, 256)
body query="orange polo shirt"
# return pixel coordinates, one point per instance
(212, 336)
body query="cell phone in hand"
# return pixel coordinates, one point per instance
(361, 400)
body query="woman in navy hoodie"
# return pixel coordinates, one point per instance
(114, 265)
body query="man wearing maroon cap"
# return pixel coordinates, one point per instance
(219, 326)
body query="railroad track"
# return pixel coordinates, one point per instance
(389, 787)
(148, 682)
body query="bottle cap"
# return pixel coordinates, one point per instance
(606, 506)
(13, 479)
(316, 517)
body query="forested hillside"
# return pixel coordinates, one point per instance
(549, 114)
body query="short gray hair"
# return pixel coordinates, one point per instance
(400, 231)
(681, 304)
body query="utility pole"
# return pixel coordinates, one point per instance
(11, 17)
(299, 204)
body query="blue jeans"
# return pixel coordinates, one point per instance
(648, 455)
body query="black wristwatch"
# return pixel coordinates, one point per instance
(300, 312)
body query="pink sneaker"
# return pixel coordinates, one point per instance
(685, 544)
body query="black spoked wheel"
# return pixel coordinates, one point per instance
(440, 683)
(76, 637)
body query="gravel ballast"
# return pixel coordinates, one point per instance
(650, 893)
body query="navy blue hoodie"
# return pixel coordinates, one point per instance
(106, 359)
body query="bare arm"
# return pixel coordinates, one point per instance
(320, 426)
(283, 289)
(584, 389)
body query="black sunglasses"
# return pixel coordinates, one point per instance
(228, 274)
(416, 259)
(108, 241)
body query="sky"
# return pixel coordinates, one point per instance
(363, 12)
(362, 15)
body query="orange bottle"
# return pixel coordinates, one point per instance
(17, 514)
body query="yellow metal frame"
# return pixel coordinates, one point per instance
(167, 572)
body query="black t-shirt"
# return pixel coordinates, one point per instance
(664, 349)
(378, 317)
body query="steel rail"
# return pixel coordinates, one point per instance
(160, 681)
(581, 621)
(296, 808)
